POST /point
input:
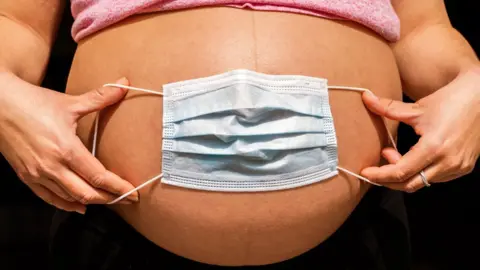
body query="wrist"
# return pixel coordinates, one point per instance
(6, 77)
(475, 71)
(4, 71)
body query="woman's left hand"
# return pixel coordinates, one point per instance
(448, 122)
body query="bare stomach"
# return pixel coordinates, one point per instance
(233, 228)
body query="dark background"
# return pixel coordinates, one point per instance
(443, 219)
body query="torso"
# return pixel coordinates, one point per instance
(234, 228)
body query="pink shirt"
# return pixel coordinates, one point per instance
(378, 15)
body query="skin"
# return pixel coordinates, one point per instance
(244, 228)
(442, 155)
(448, 121)
(232, 228)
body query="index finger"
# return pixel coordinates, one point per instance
(392, 109)
(415, 160)
(89, 168)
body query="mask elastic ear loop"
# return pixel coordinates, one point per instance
(95, 134)
(390, 136)
(148, 182)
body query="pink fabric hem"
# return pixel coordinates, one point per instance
(93, 15)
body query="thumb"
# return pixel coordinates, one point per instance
(98, 99)
(392, 109)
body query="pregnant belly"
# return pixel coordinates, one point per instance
(233, 228)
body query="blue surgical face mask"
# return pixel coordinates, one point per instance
(243, 131)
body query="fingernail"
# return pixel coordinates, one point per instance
(372, 95)
(364, 172)
(133, 197)
(81, 211)
(122, 80)
(124, 202)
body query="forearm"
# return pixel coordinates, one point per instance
(23, 52)
(28, 29)
(430, 56)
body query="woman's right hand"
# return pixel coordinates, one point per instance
(38, 138)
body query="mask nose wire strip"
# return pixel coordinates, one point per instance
(390, 137)
(95, 133)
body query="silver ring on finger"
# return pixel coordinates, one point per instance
(424, 178)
